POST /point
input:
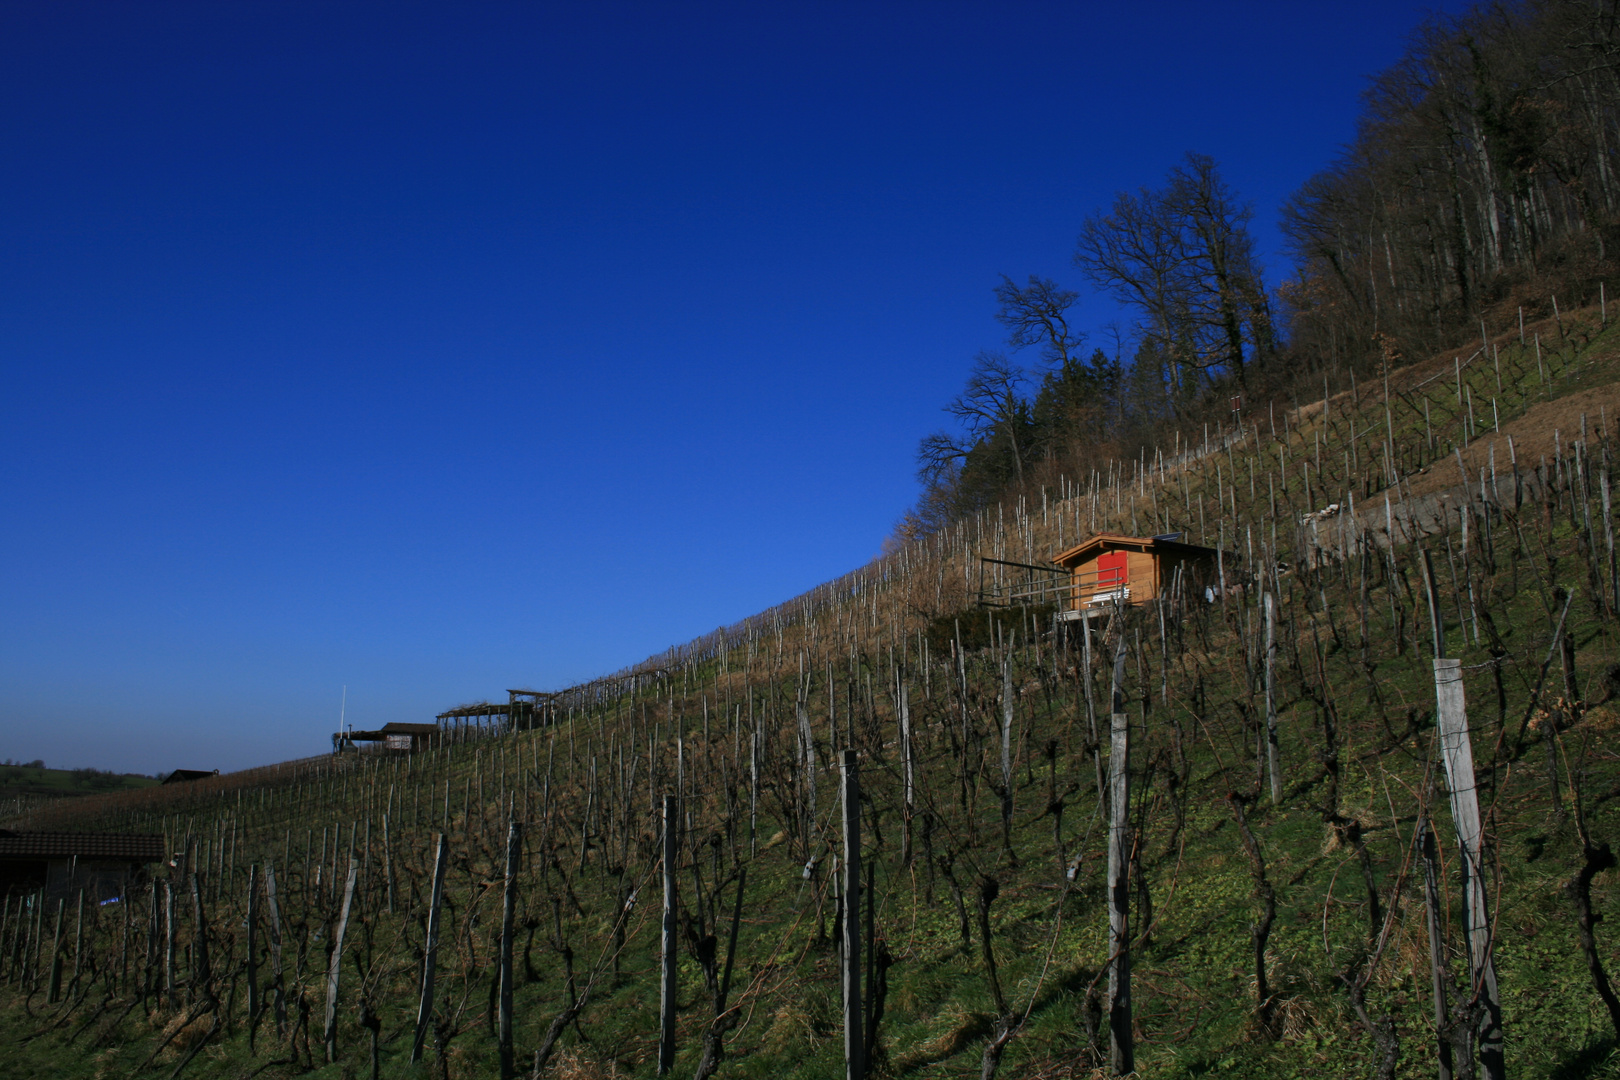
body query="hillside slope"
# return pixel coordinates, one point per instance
(990, 942)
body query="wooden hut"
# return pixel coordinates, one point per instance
(1113, 568)
(61, 863)
(181, 776)
(391, 736)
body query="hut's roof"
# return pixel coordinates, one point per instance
(1165, 544)
(142, 847)
(180, 775)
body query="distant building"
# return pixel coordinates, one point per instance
(1113, 568)
(181, 776)
(391, 736)
(61, 863)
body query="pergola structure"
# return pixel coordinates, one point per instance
(524, 709)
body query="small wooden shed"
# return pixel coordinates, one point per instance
(181, 776)
(102, 864)
(1112, 567)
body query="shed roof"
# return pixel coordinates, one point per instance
(140, 847)
(180, 775)
(393, 727)
(1158, 544)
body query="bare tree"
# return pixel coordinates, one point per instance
(1182, 257)
(993, 414)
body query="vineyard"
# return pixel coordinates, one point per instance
(1220, 832)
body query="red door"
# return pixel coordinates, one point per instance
(1111, 571)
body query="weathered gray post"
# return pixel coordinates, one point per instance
(514, 847)
(1434, 915)
(202, 973)
(1122, 1050)
(908, 768)
(854, 1038)
(275, 945)
(388, 859)
(430, 950)
(55, 987)
(1006, 749)
(668, 962)
(78, 941)
(252, 952)
(1459, 758)
(336, 967)
(1271, 699)
(1456, 748)
(149, 978)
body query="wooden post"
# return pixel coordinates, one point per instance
(424, 1008)
(78, 941)
(1006, 749)
(1271, 700)
(854, 1040)
(252, 952)
(514, 847)
(388, 860)
(1122, 1050)
(153, 931)
(35, 942)
(55, 988)
(908, 769)
(1434, 914)
(668, 961)
(274, 911)
(202, 973)
(336, 967)
(1458, 752)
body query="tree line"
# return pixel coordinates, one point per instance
(1480, 186)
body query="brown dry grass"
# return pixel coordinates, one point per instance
(570, 1064)
(1534, 435)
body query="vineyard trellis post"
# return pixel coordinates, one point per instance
(1457, 753)
(336, 967)
(1122, 1053)
(430, 949)
(514, 847)
(1434, 916)
(854, 1038)
(252, 929)
(1272, 753)
(668, 964)
(275, 945)
(54, 989)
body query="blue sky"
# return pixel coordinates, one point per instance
(436, 349)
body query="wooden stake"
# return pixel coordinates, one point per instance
(280, 1004)
(253, 952)
(424, 1007)
(1122, 1051)
(1457, 749)
(668, 983)
(1272, 753)
(336, 966)
(55, 988)
(514, 847)
(1434, 913)
(854, 1040)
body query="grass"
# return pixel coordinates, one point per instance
(27, 781)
